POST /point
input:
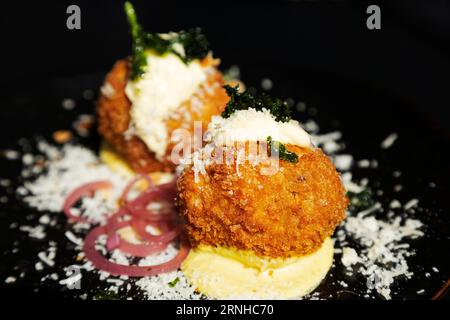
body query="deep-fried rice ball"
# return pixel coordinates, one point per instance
(113, 110)
(289, 213)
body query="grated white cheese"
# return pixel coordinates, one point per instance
(11, 154)
(395, 204)
(37, 232)
(311, 126)
(255, 125)
(79, 242)
(343, 162)
(349, 257)
(389, 141)
(266, 84)
(68, 104)
(383, 256)
(107, 90)
(39, 266)
(10, 279)
(363, 163)
(319, 140)
(411, 204)
(166, 84)
(70, 281)
(47, 259)
(67, 169)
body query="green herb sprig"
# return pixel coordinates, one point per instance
(138, 58)
(361, 200)
(174, 282)
(280, 148)
(106, 295)
(193, 41)
(245, 100)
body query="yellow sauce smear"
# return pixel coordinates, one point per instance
(119, 165)
(229, 274)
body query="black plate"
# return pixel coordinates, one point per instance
(365, 117)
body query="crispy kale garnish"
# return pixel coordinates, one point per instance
(193, 43)
(245, 100)
(361, 200)
(106, 295)
(174, 282)
(280, 148)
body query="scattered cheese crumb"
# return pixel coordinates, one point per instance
(395, 204)
(349, 256)
(411, 204)
(11, 154)
(10, 279)
(68, 104)
(266, 84)
(389, 141)
(343, 162)
(364, 163)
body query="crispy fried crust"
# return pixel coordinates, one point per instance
(286, 214)
(113, 109)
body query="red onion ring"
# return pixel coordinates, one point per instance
(112, 226)
(100, 262)
(150, 215)
(79, 192)
(124, 197)
(165, 191)
(167, 235)
(138, 206)
(154, 245)
(138, 250)
(141, 217)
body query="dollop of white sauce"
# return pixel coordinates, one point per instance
(255, 125)
(166, 84)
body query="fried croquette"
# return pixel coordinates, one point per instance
(113, 109)
(289, 213)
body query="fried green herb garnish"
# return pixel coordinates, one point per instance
(174, 282)
(280, 148)
(361, 200)
(245, 100)
(106, 295)
(187, 45)
(194, 42)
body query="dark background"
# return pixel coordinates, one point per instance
(409, 58)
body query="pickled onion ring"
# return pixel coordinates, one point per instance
(139, 217)
(166, 236)
(138, 206)
(79, 192)
(139, 250)
(124, 197)
(102, 263)
(165, 191)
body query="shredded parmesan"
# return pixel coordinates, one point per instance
(389, 141)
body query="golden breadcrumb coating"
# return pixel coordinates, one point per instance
(289, 213)
(113, 109)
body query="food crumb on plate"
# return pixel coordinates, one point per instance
(389, 141)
